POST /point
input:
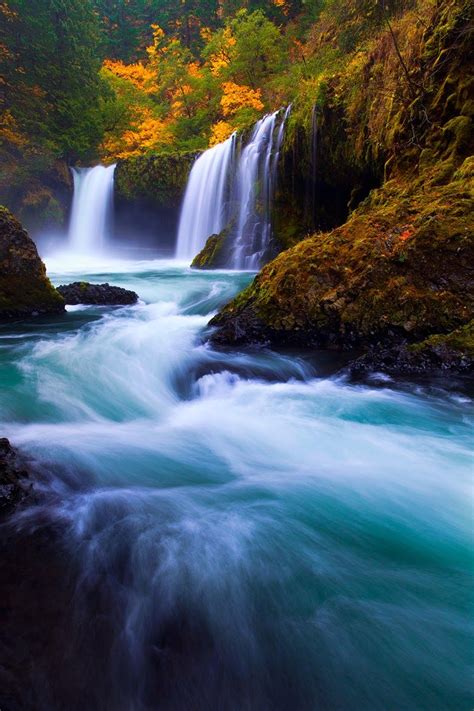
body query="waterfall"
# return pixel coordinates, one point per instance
(234, 188)
(91, 208)
(256, 184)
(204, 210)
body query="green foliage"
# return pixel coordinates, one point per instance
(50, 68)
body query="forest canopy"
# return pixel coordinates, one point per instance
(141, 76)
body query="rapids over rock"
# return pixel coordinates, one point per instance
(236, 529)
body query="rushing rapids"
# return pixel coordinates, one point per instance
(239, 531)
(231, 186)
(91, 213)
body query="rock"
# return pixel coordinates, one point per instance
(14, 486)
(25, 289)
(215, 253)
(81, 292)
(450, 353)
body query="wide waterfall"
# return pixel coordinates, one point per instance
(91, 208)
(204, 208)
(233, 187)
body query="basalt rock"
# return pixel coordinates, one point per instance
(14, 484)
(25, 289)
(81, 292)
(452, 353)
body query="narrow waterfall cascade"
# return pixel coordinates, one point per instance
(92, 205)
(256, 184)
(205, 210)
(234, 187)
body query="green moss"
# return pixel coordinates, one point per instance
(160, 178)
(24, 286)
(212, 256)
(461, 340)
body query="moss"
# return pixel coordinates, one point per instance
(461, 340)
(212, 256)
(24, 287)
(160, 179)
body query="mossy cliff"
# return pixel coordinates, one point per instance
(148, 195)
(25, 289)
(400, 268)
(160, 179)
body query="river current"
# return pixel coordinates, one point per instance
(262, 536)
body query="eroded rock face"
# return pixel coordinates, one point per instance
(14, 485)
(81, 292)
(25, 289)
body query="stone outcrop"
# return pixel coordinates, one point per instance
(25, 289)
(82, 292)
(14, 484)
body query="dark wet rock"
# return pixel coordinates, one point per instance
(14, 483)
(81, 292)
(446, 354)
(25, 290)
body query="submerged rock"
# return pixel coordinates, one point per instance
(14, 485)
(25, 289)
(82, 292)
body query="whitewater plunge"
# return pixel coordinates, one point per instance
(232, 186)
(92, 209)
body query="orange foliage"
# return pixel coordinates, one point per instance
(238, 96)
(140, 76)
(220, 132)
(10, 132)
(146, 134)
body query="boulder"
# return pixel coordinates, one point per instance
(81, 292)
(25, 289)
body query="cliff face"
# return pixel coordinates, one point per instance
(400, 268)
(148, 195)
(25, 289)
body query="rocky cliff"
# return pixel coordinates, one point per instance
(25, 289)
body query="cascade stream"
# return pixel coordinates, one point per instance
(91, 212)
(233, 186)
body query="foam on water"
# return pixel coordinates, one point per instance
(263, 537)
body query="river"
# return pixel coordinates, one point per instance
(260, 536)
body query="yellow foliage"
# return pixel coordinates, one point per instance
(10, 132)
(140, 76)
(7, 12)
(148, 134)
(220, 132)
(194, 70)
(237, 96)
(222, 58)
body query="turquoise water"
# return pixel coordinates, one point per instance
(264, 537)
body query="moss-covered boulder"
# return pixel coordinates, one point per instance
(25, 289)
(215, 253)
(399, 268)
